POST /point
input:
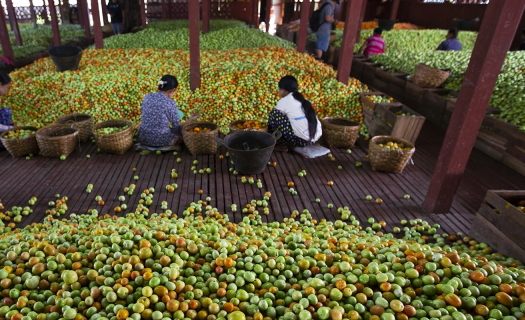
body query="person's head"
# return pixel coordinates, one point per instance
(378, 31)
(168, 84)
(288, 84)
(5, 82)
(452, 33)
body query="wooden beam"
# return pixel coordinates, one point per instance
(97, 30)
(303, 26)
(54, 23)
(395, 8)
(4, 37)
(352, 24)
(361, 18)
(165, 9)
(206, 12)
(495, 36)
(195, 68)
(83, 4)
(103, 5)
(255, 12)
(13, 22)
(268, 12)
(143, 14)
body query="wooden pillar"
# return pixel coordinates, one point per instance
(33, 14)
(103, 4)
(195, 68)
(206, 12)
(267, 16)
(493, 41)
(84, 14)
(303, 26)
(54, 23)
(353, 10)
(97, 30)
(395, 7)
(143, 14)
(255, 12)
(4, 37)
(361, 18)
(165, 9)
(13, 22)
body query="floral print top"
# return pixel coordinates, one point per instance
(160, 120)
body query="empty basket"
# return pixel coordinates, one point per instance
(57, 140)
(81, 121)
(340, 132)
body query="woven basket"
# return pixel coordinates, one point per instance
(202, 142)
(389, 160)
(57, 140)
(81, 121)
(118, 142)
(233, 129)
(340, 132)
(428, 77)
(20, 147)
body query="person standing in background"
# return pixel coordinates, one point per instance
(116, 11)
(325, 27)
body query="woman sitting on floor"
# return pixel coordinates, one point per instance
(294, 117)
(160, 123)
(6, 122)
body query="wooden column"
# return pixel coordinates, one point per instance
(84, 13)
(13, 22)
(361, 18)
(267, 17)
(143, 14)
(54, 23)
(303, 26)
(165, 9)
(493, 41)
(353, 11)
(4, 37)
(395, 7)
(195, 68)
(255, 12)
(103, 4)
(206, 12)
(97, 30)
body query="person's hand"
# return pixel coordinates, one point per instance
(193, 117)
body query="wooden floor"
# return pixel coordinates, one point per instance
(21, 179)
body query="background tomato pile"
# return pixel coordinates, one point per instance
(236, 84)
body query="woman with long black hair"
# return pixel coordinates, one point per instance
(294, 117)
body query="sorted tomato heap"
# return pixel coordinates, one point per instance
(110, 130)
(19, 134)
(250, 124)
(199, 130)
(205, 267)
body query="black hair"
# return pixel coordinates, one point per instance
(378, 31)
(168, 82)
(289, 83)
(4, 78)
(454, 32)
(523, 32)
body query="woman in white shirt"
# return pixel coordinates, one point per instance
(294, 117)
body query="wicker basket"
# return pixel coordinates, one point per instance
(20, 147)
(81, 121)
(118, 142)
(233, 129)
(428, 77)
(57, 140)
(202, 142)
(389, 160)
(340, 132)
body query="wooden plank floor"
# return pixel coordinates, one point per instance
(21, 179)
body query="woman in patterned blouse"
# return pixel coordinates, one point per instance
(160, 120)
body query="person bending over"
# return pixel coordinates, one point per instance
(374, 44)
